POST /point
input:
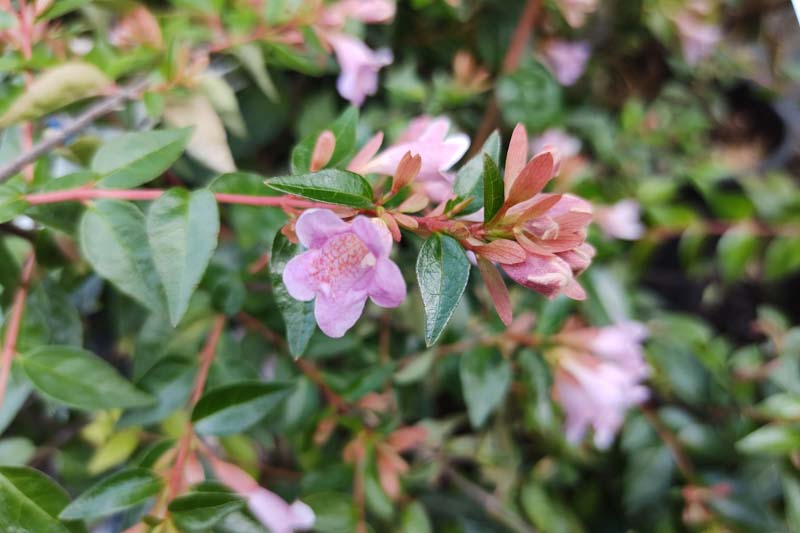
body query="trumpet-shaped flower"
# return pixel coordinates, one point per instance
(359, 67)
(345, 264)
(427, 137)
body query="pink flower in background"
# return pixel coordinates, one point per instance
(269, 508)
(427, 137)
(698, 37)
(548, 275)
(345, 264)
(621, 220)
(360, 66)
(576, 11)
(594, 393)
(622, 344)
(366, 11)
(566, 60)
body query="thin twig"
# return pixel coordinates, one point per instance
(94, 112)
(12, 332)
(671, 441)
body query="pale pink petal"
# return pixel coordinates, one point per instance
(369, 11)
(336, 314)
(277, 515)
(567, 60)
(359, 67)
(388, 286)
(621, 220)
(316, 226)
(374, 233)
(549, 276)
(558, 139)
(296, 278)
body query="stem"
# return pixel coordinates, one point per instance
(671, 441)
(78, 195)
(96, 111)
(184, 447)
(10, 343)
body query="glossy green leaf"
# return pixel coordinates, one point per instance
(133, 159)
(735, 250)
(17, 391)
(121, 490)
(343, 128)
(11, 203)
(16, 451)
(298, 316)
(782, 257)
(30, 502)
(80, 379)
(252, 59)
(771, 440)
(234, 408)
(200, 511)
(182, 229)
(114, 241)
(485, 377)
(530, 96)
(332, 186)
(469, 179)
(442, 272)
(492, 188)
(169, 381)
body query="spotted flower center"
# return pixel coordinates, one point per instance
(342, 261)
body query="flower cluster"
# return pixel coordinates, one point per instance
(598, 378)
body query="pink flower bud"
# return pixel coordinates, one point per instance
(323, 150)
(359, 67)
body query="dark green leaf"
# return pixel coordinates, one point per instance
(234, 408)
(492, 188)
(531, 96)
(344, 129)
(485, 377)
(114, 241)
(17, 391)
(469, 179)
(782, 257)
(170, 382)
(182, 229)
(442, 272)
(11, 203)
(771, 440)
(80, 379)
(200, 511)
(121, 490)
(330, 185)
(30, 502)
(133, 159)
(298, 316)
(735, 250)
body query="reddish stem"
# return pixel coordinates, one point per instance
(78, 195)
(10, 343)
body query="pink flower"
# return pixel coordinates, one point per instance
(575, 11)
(621, 220)
(548, 275)
(698, 38)
(427, 137)
(345, 264)
(622, 344)
(366, 11)
(359, 67)
(566, 60)
(594, 393)
(269, 508)
(556, 139)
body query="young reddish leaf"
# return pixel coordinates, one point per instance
(502, 251)
(412, 204)
(497, 289)
(405, 438)
(323, 150)
(516, 156)
(537, 209)
(407, 170)
(391, 223)
(406, 221)
(531, 179)
(366, 153)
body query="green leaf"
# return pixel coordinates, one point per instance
(343, 128)
(133, 159)
(782, 257)
(169, 381)
(771, 440)
(469, 179)
(298, 316)
(330, 185)
(55, 88)
(80, 379)
(734, 251)
(12, 203)
(234, 408)
(485, 377)
(200, 511)
(531, 96)
(16, 451)
(492, 189)
(121, 490)
(17, 391)
(252, 59)
(442, 272)
(114, 241)
(791, 497)
(182, 230)
(30, 502)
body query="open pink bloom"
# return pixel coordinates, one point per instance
(548, 275)
(366, 11)
(621, 220)
(576, 11)
(620, 343)
(595, 393)
(427, 137)
(359, 66)
(566, 60)
(698, 38)
(269, 508)
(556, 139)
(345, 264)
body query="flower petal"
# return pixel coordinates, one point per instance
(296, 278)
(336, 315)
(373, 233)
(388, 286)
(315, 226)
